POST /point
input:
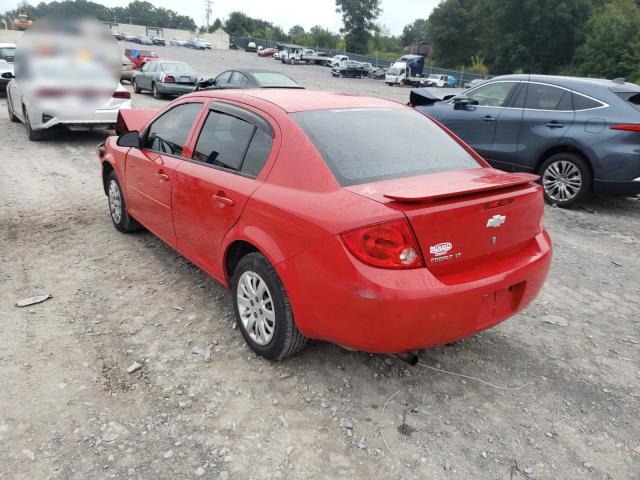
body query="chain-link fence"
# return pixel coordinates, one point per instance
(462, 76)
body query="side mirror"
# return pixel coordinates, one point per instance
(460, 101)
(8, 75)
(129, 139)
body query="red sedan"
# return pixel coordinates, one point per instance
(349, 219)
(267, 52)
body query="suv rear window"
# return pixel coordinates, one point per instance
(632, 97)
(373, 144)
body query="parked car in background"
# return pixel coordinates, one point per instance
(438, 80)
(336, 60)
(143, 40)
(177, 42)
(206, 44)
(165, 78)
(195, 44)
(350, 69)
(267, 52)
(251, 47)
(7, 55)
(128, 68)
(409, 260)
(158, 40)
(233, 46)
(581, 135)
(117, 35)
(474, 83)
(249, 78)
(139, 57)
(129, 37)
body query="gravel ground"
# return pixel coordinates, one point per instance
(563, 403)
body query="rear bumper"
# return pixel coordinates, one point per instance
(386, 311)
(174, 88)
(627, 189)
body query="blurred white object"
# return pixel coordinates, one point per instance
(7, 54)
(67, 72)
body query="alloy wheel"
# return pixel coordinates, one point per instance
(256, 308)
(562, 181)
(115, 202)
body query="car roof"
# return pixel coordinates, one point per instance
(566, 81)
(293, 100)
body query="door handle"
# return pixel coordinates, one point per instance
(554, 124)
(222, 200)
(488, 118)
(163, 176)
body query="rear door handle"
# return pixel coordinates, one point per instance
(163, 176)
(222, 200)
(554, 124)
(488, 118)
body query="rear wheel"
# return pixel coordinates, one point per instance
(262, 309)
(136, 88)
(154, 91)
(292, 61)
(566, 179)
(118, 208)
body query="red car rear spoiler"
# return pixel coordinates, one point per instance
(134, 119)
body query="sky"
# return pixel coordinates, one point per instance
(285, 13)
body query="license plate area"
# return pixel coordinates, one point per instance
(500, 303)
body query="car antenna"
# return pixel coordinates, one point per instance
(619, 80)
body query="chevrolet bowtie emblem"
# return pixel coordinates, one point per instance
(496, 221)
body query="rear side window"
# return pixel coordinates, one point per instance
(169, 132)
(631, 97)
(231, 143)
(368, 145)
(580, 102)
(545, 97)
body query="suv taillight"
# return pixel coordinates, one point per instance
(629, 127)
(385, 245)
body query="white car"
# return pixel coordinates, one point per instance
(177, 42)
(7, 54)
(336, 60)
(36, 111)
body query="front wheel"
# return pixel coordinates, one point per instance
(566, 179)
(32, 135)
(118, 208)
(262, 309)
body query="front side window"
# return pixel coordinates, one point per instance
(168, 133)
(237, 79)
(492, 95)
(350, 143)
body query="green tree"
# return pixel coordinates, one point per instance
(298, 35)
(415, 32)
(323, 38)
(358, 18)
(453, 32)
(612, 42)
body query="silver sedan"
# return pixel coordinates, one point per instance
(165, 78)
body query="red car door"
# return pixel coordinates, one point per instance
(150, 170)
(211, 190)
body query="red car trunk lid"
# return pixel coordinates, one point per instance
(465, 219)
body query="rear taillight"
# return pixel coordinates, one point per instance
(385, 245)
(629, 127)
(169, 79)
(124, 94)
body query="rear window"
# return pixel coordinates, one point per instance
(368, 145)
(632, 97)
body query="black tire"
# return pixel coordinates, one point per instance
(12, 116)
(292, 61)
(287, 340)
(124, 223)
(575, 169)
(136, 89)
(154, 91)
(32, 135)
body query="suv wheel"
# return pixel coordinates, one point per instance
(262, 309)
(566, 179)
(12, 116)
(33, 135)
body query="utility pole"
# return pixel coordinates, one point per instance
(208, 4)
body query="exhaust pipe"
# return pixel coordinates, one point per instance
(410, 357)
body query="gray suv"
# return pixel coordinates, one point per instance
(581, 135)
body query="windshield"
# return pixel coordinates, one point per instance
(349, 142)
(269, 79)
(7, 53)
(434, 76)
(394, 71)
